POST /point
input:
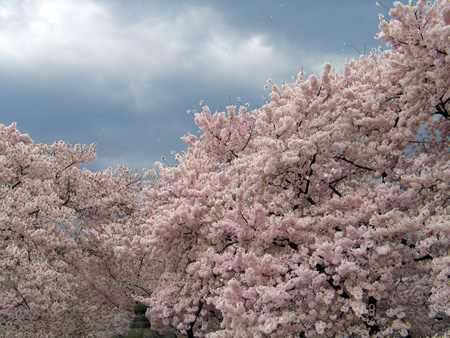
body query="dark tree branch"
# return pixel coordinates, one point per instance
(441, 110)
(334, 190)
(248, 140)
(190, 332)
(424, 258)
(352, 163)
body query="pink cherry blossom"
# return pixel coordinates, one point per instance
(323, 213)
(55, 249)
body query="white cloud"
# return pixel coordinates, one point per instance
(53, 40)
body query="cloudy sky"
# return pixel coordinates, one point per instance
(123, 73)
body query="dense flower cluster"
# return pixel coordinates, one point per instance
(323, 213)
(53, 216)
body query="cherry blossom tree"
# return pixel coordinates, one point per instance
(56, 272)
(325, 212)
